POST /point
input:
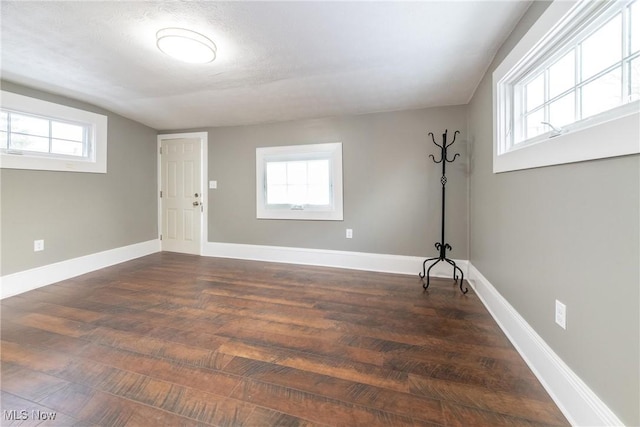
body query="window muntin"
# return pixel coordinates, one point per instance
(634, 22)
(634, 80)
(596, 71)
(26, 133)
(299, 182)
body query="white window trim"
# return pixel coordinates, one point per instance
(265, 154)
(97, 163)
(611, 134)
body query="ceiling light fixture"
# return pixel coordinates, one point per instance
(186, 45)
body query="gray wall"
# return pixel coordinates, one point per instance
(391, 187)
(80, 213)
(567, 232)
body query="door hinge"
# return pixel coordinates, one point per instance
(160, 150)
(161, 237)
(160, 193)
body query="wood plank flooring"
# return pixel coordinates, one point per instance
(180, 340)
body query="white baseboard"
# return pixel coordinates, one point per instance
(399, 264)
(576, 400)
(23, 281)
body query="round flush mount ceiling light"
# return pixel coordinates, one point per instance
(186, 45)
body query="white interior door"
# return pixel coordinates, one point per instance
(181, 195)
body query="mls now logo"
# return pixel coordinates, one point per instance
(23, 415)
(15, 415)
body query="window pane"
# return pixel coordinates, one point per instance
(29, 125)
(634, 80)
(4, 120)
(318, 195)
(29, 143)
(3, 140)
(276, 173)
(277, 195)
(635, 26)
(602, 94)
(563, 111)
(534, 124)
(69, 148)
(562, 74)
(318, 172)
(535, 92)
(297, 194)
(603, 48)
(67, 131)
(297, 173)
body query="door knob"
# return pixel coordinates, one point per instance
(196, 203)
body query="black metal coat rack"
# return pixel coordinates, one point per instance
(441, 246)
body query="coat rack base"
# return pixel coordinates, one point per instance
(426, 271)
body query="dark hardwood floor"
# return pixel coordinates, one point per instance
(180, 340)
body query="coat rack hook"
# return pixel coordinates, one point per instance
(454, 157)
(454, 138)
(434, 140)
(434, 159)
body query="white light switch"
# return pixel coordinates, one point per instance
(349, 234)
(561, 314)
(213, 185)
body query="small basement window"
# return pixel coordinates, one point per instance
(578, 68)
(36, 134)
(300, 182)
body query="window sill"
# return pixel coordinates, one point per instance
(300, 215)
(24, 161)
(595, 142)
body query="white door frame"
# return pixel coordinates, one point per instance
(204, 162)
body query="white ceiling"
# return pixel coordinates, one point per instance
(276, 60)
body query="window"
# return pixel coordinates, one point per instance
(300, 182)
(24, 133)
(36, 134)
(580, 69)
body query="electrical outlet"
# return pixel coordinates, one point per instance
(349, 233)
(213, 185)
(38, 245)
(561, 314)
